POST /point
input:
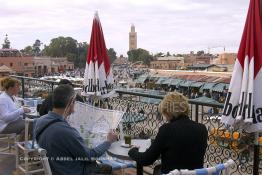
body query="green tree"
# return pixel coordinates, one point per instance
(80, 60)
(140, 55)
(67, 47)
(28, 50)
(159, 54)
(75, 52)
(61, 47)
(201, 52)
(111, 54)
(36, 47)
(6, 44)
(168, 54)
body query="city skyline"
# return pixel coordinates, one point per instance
(162, 26)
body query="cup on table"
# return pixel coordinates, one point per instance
(127, 139)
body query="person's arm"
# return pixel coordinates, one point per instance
(8, 116)
(78, 147)
(152, 153)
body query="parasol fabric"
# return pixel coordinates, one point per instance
(98, 76)
(243, 106)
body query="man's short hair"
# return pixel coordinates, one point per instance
(65, 81)
(62, 95)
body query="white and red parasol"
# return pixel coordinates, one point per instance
(243, 105)
(98, 77)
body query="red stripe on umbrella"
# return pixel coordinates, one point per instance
(97, 78)
(97, 50)
(251, 43)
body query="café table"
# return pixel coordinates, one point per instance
(33, 114)
(118, 151)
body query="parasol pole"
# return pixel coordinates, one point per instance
(256, 155)
(256, 146)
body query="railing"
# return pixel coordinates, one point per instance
(142, 120)
(36, 87)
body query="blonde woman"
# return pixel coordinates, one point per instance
(10, 115)
(181, 143)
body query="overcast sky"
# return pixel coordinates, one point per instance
(177, 26)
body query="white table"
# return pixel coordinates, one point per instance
(32, 114)
(116, 150)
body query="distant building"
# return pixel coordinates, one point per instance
(5, 71)
(192, 59)
(13, 59)
(226, 58)
(45, 65)
(31, 66)
(169, 63)
(132, 38)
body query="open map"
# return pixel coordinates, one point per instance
(94, 123)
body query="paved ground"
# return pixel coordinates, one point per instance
(7, 163)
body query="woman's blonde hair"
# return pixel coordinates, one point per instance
(7, 82)
(174, 105)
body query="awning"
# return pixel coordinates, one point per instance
(205, 100)
(161, 80)
(175, 82)
(186, 83)
(167, 81)
(154, 78)
(141, 79)
(207, 86)
(197, 84)
(219, 87)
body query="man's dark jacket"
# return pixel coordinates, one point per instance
(67, 152)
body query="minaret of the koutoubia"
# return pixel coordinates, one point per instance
(132, 38)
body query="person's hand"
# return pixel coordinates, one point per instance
(111, 137)
(135, 147)
(26, 110)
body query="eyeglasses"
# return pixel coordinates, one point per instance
(70, 102)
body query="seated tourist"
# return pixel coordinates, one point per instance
(47, 104)
(67, 152)
(11, 116)
(181, 143)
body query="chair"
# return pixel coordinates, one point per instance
(118, 164)
(8, 139)
(30, 158)
(215, 170)
(31, 161)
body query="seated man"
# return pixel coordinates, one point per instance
(66, 150)
(181, 142)
(47, 104)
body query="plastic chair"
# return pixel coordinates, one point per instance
(10, 139)
(29, 155)
(215, 170)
